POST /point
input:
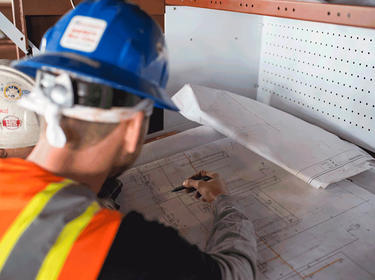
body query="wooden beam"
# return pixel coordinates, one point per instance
(6, 9)
(47, 7)
(60, 7)
(152, 7)
(20, 23)
(8, 50)
(329, 13)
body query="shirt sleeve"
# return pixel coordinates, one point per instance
(232, 242)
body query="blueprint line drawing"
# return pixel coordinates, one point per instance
(301, 232)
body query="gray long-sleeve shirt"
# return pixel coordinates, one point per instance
(232, 242)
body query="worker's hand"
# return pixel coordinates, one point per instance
(208, 190)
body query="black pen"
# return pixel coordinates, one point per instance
(198, 177)
(180, 188)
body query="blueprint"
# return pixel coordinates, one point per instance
(307, 151)
(301, 232)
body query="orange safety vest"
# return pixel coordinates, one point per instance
(50, 227)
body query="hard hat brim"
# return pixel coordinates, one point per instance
(96, 72)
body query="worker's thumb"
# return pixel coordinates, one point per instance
(190, 183)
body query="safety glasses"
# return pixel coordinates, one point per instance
(67, 92)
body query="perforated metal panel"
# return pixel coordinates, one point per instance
(322, 73)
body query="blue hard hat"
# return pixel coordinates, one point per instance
(109, 42)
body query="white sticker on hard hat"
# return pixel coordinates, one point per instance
(11, 122)
(83, 33)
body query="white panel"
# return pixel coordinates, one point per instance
(322, 73)
(213, 48)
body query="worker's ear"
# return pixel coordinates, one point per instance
(3, 153)
(133, 131)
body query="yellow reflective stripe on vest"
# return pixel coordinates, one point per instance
(31, 211)
(57, 255)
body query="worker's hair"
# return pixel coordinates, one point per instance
(80, 134)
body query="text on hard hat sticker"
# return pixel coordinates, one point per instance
(83, 34)
(12, 92)
(11, 122)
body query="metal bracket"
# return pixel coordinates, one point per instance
(17, 37)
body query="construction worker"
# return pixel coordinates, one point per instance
(19, 128)
(103, 69)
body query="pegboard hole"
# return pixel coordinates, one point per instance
(306, 58)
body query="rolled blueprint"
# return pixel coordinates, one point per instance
(314, 155)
